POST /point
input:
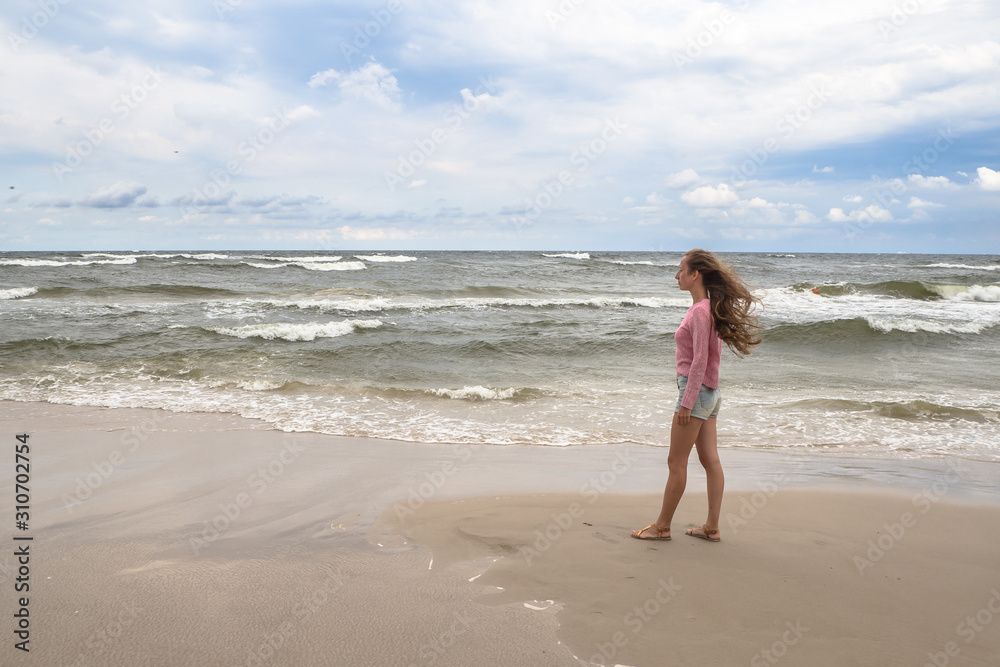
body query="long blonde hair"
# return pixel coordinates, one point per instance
(732, 301)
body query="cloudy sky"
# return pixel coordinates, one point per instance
(796, 125)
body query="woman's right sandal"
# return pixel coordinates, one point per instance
(708, 532)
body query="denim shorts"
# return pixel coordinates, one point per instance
(708, 403)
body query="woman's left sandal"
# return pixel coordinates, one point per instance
(637, 534)
(706, 533)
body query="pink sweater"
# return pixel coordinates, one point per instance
(699, 351)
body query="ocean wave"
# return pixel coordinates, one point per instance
(910, 410)
(297, 332)
(913, 325)
(379, 304)
(569, 255)
(986, 293)
(24, 261)
(906, 289)
(778, 254)
(386, 258)
(857, 329)
(970, 267)
(476, 393)
(312, 265)
(202, 255)
(320, 258)
(17, 292)
(260, 385)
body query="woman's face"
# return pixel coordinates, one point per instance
(685, 278)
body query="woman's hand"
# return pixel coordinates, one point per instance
(683, 415)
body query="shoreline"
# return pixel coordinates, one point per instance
(205, 538)
(745, 467)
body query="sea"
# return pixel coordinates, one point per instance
(871, 355)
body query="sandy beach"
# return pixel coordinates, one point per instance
(206, 539)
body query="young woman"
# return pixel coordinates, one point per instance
(721, 313)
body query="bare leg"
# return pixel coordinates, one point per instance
(708, 454)
(682, 439)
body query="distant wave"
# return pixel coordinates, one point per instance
(377, 304)
(23, 261)
(972, 267)
(569, 255)
(16, 292)
(625, 262)
(109, 295)
(319, 258)
(202, 255)
(315, 265)
(297, 332)
(386, 258)
(777, 254)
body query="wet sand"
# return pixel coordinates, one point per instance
(207, 539)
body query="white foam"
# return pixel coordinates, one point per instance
(297, 332)
(386, 258)
(957, 313)
(910, 325)
(52, 262)
(987, 293)
(477, 393)
(376, 304)
(569, 255)
(259, 385)
(331, 266)
(313, 265)
(319, 258)
(17, 292)
(972, 267)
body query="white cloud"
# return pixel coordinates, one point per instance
(682, 179)
(917, 202)
(49, 222)
(930, 182)
(371, 82)
(119, 195)
(988, 179)
(804, 217)
(853, 199)
(822, 170)
(375, 233)
(374, 83)
(873, 213)
(709, 197)
(694, 233)
(483, 101)
(322, 78)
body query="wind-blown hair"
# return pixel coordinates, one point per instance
(732, 301)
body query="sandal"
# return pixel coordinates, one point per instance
(706, 533)
(637, 534)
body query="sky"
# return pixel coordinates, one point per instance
(750, 125)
